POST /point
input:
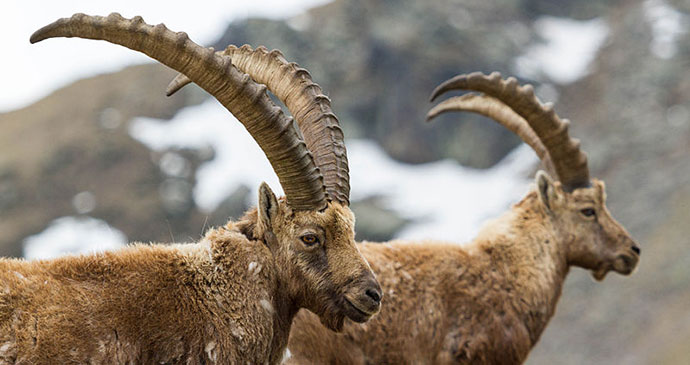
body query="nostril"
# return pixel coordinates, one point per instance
(374, 295)
(636, 249)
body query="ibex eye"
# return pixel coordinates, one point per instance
(588, 212)
(310, 239)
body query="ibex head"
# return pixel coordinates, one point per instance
(575, 204)
(316, 255)
(310, 232)
(595, 240)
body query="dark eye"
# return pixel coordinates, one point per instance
(588, 212)
(310, 239)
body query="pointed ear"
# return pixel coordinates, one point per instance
(267, 210)
(546, 189)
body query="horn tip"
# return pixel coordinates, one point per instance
(45, 32)
(435, 112)
(169, 91)
(37, 36)
(436, 93)
(453, 83)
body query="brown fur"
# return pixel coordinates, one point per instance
(229, 298)
(483, 303)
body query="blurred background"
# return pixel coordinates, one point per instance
(93, 155)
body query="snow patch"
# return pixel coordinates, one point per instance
(667, 25)
(444, 199)
(568, 48)
(238, 159)
(73, 235)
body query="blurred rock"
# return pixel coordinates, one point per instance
(233, 207)
(374, 222)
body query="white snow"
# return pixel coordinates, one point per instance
(447, 201)
(238, 159)
(74, 235)
(39, 69)
(568, 48)
(667, 25)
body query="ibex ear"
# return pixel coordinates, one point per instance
(546, 189)
(267, 210)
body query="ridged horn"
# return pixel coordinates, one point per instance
(294, 87)
(497, 111)
(244, 98)
(569, 162)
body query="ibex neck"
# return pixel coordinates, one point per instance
(282, 321)
(527, 253)
(241, 261)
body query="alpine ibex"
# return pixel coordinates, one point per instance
(489, 301)
(231, 297)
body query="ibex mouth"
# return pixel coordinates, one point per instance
(625, 264)
(357, 313)
(600, 273)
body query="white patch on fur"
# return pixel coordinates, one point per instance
(267, 305)
(201, 250)
(5, 347)
(286, 355)
(207, 245)
(210, 351)
(255, 268)
(19, 275)
(101, 347)
(238, 332)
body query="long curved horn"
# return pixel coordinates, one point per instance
(248, 101)
(294, 87)
(500, 113)
(569, 161)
